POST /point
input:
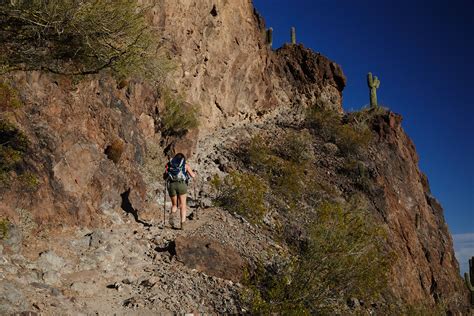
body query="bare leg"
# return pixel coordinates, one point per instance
(174, 204)
(182, 207)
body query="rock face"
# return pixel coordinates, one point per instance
(227, 68)
(315, 80)
(87, 141)
(88, 144)
(426, 269)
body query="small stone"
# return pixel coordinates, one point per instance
(39, 305)
(51, 277)
(49, 261)
(83, 288)
(56, 291)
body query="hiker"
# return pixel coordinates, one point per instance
(177, 173)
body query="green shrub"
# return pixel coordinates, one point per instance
(285, 163)
(344, 258)
(349, 137)
(258, 152)
(350, 140)
(115, 150)
(243, 194)
(326, 122)
(178, 116)
(29, 181)
(4, 227)
(13, 146)
(79, 37)
(363, 117)
(9, 98)
(295, 146)
(358, 172)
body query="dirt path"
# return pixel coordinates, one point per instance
(123, 269)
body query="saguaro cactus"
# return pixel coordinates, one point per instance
(469, 278)
(293, 35)
(270, 37)
(373, 84)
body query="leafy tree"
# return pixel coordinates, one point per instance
(79, 37)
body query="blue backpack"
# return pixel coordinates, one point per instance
(176, 170)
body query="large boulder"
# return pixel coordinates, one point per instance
(210, 256)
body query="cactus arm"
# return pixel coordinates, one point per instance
(376, 82)
(270, 37)
(373, 83)
(293, 35)
(468, 282)
(369, 80)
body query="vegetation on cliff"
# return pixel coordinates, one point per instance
(343, 258)
(79, 37)
(337, 247)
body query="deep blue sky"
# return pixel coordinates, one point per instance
(423, 53)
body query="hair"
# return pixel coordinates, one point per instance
(180, 156)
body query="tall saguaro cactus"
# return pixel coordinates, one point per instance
(293, 35)
(469, 278)
(270, 37)
(373, 84)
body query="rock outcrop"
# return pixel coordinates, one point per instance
(88, 144)
(426, 268)
(210, 256)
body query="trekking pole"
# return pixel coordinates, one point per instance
(195, 199)
(164, 206)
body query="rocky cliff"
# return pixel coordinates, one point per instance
(90, 144)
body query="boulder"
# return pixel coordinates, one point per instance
(209, 256)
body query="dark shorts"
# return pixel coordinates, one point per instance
(177, 188)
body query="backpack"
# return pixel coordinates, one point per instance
(176, 170)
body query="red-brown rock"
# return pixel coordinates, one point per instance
(210, 256)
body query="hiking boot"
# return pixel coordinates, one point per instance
(182, 225)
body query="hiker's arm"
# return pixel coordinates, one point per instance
(190, 171)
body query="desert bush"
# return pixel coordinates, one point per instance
(243, 194)
(351, 140)
(295, 146)
(115, 150)
(344, 258)
(178, 116)
(4, 227)
(363, 117)
(258, 153)
(79, 37)
(326, 122)
(349, 137)
(13, 145)
(29, 181)
(9, 98)
(358, 172)
(284, 163)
